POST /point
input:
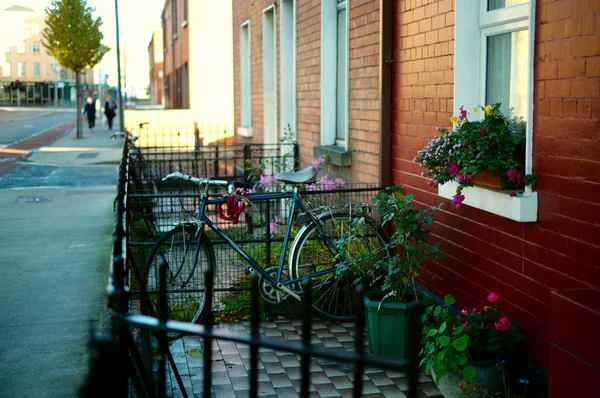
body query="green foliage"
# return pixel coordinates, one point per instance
(392, 276)
(450, 342)
(496, 143)
(72, 35)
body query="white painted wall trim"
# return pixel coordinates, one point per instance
(521, 208)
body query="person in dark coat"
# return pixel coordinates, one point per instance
(110, 110)
(90, 110)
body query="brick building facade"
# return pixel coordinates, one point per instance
(404, 79)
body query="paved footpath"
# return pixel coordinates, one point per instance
(55, 253)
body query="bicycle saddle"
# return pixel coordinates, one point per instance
(298, 177)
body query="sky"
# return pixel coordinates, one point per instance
(137, 20)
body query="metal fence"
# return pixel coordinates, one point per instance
(121, 361)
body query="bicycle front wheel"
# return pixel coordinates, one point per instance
(314, 252)
(187, 258)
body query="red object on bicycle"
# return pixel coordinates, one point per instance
(235, 207)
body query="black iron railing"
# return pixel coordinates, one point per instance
(121, 364)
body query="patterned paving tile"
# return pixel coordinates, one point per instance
(279, 371)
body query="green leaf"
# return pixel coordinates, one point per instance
(460, 344)
(437, 310)
(449, 299)
(469, 372)
(444, 341)
(442, 327)
(462, 360)
(432, 332)
(429, 366)
(195, 353)
(441, 355)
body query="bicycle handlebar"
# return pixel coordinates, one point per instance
(200, 181)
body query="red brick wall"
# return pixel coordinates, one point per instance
(363, 80)
(522, 262)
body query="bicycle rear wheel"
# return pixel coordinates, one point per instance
(312, 252)
(185, 276)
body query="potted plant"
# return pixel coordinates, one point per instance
(390, 281)
(487, 152)
(470, 345)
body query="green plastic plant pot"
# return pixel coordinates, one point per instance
(389, 326)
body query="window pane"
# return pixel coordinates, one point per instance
(6, 69)
(22, 69)
(507, 60)
(497, 4)
(341, 76)
(36, 69)
(36, 47)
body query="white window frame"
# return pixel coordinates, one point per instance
(33, 47)
(272, 112)
(39, 69)
(287, 66)
(6, 69)
(245, 128)
(22, 69)
(473, 24)
(329, 70)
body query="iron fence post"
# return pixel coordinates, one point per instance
(247, 162)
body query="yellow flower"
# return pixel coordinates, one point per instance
(475, 110)
(454, 120)
(488, 109)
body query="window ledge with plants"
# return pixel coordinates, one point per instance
(481, 164)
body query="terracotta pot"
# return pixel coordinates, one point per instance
(486, 178)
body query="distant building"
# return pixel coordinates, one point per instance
(156, 57)
(23, 58)
(198, 59)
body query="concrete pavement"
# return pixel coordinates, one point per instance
(55, 253)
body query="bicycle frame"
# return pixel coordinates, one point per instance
(203, 221)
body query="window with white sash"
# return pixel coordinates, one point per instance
(493, 63)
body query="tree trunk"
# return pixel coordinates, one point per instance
(79, 117)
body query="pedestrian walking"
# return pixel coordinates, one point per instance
(109, 110)
(90, 110)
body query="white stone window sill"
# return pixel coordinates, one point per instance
(244, 131)
(521, 208)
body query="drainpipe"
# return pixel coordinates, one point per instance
(386, 67)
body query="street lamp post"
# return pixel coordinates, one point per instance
(121, 111)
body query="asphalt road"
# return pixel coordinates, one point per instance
(17, 124)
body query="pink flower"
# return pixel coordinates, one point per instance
(492, 297)
(465, 178)
(339, 182)
(458, 199)
(464, 325)
(482, 131)
(454, 169)
(513, 174)
(318, 162)
(503, 325)
(433, 184)
(273, 225)
(474, 309)
(266, 180)
(465, 312)
(310, 187)
(463, 113)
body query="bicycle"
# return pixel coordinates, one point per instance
(187, 251)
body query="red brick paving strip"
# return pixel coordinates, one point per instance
(29, 144)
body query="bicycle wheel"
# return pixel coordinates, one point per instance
(185, 276)
(333, 294)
